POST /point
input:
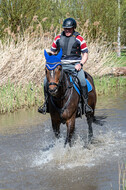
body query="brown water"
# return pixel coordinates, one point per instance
(31, 158)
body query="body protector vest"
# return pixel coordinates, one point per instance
(69, 45)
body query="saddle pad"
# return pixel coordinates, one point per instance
(76, 87)
(89, 85)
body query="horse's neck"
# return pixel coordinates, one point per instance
(63, 87)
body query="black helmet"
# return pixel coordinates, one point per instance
(69, 23)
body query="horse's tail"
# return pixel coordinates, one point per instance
(98, 120)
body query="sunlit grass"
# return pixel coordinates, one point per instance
(16, 97)
(105, 85)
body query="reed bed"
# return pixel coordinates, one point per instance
(22, 65)
(22, 59)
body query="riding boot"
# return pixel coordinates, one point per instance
(43, 109)
(86, 108)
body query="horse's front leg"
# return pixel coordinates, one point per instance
(90, 130)
(56, 127)
(70, 129)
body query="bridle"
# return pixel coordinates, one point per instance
(67, 93)
(60, 79)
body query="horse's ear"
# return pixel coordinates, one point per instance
(46, 54)
(60, 54)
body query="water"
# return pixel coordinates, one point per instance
(31, 158)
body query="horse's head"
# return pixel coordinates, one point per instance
(54, 72)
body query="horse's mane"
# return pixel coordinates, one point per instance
(49, 53)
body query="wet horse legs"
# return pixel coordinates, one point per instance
(90, 130)
(70, 130)
(56, 128)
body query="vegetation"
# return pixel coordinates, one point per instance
(16, 97)
(26, 29)
(13, 98)
(105, 85)
(96, 18)
(117, 61)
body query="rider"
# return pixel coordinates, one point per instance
(75, 55)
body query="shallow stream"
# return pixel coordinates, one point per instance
(31, 158)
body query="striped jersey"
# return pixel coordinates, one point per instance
(78, 46)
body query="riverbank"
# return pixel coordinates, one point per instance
(108, 84)
(14, 97)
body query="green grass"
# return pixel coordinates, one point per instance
(105, 85)
(17, 97)
(14, 97)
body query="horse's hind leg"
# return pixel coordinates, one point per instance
(90, 130)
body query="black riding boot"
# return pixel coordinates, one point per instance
(87, 109)
(43, 109)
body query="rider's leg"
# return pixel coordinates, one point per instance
(84, 90)
(43, 109)
(71, 67)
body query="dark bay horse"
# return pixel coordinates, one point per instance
(63, 99)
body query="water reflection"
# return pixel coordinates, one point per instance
(20, 121)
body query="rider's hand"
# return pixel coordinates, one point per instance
(78, 67)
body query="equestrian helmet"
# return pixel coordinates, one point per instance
(69, 23)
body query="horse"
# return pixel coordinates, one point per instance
(64, 100)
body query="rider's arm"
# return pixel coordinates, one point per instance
(84, 58)
(84, 51)
(54, 47)
(79, 66)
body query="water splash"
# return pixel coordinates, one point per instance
(103, 147)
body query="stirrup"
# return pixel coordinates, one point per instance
(43, 109)
(88, 109)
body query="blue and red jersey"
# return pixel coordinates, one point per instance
(78, 46)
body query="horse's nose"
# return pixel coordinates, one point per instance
(53, 90)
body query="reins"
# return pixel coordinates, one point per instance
(61, 110)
